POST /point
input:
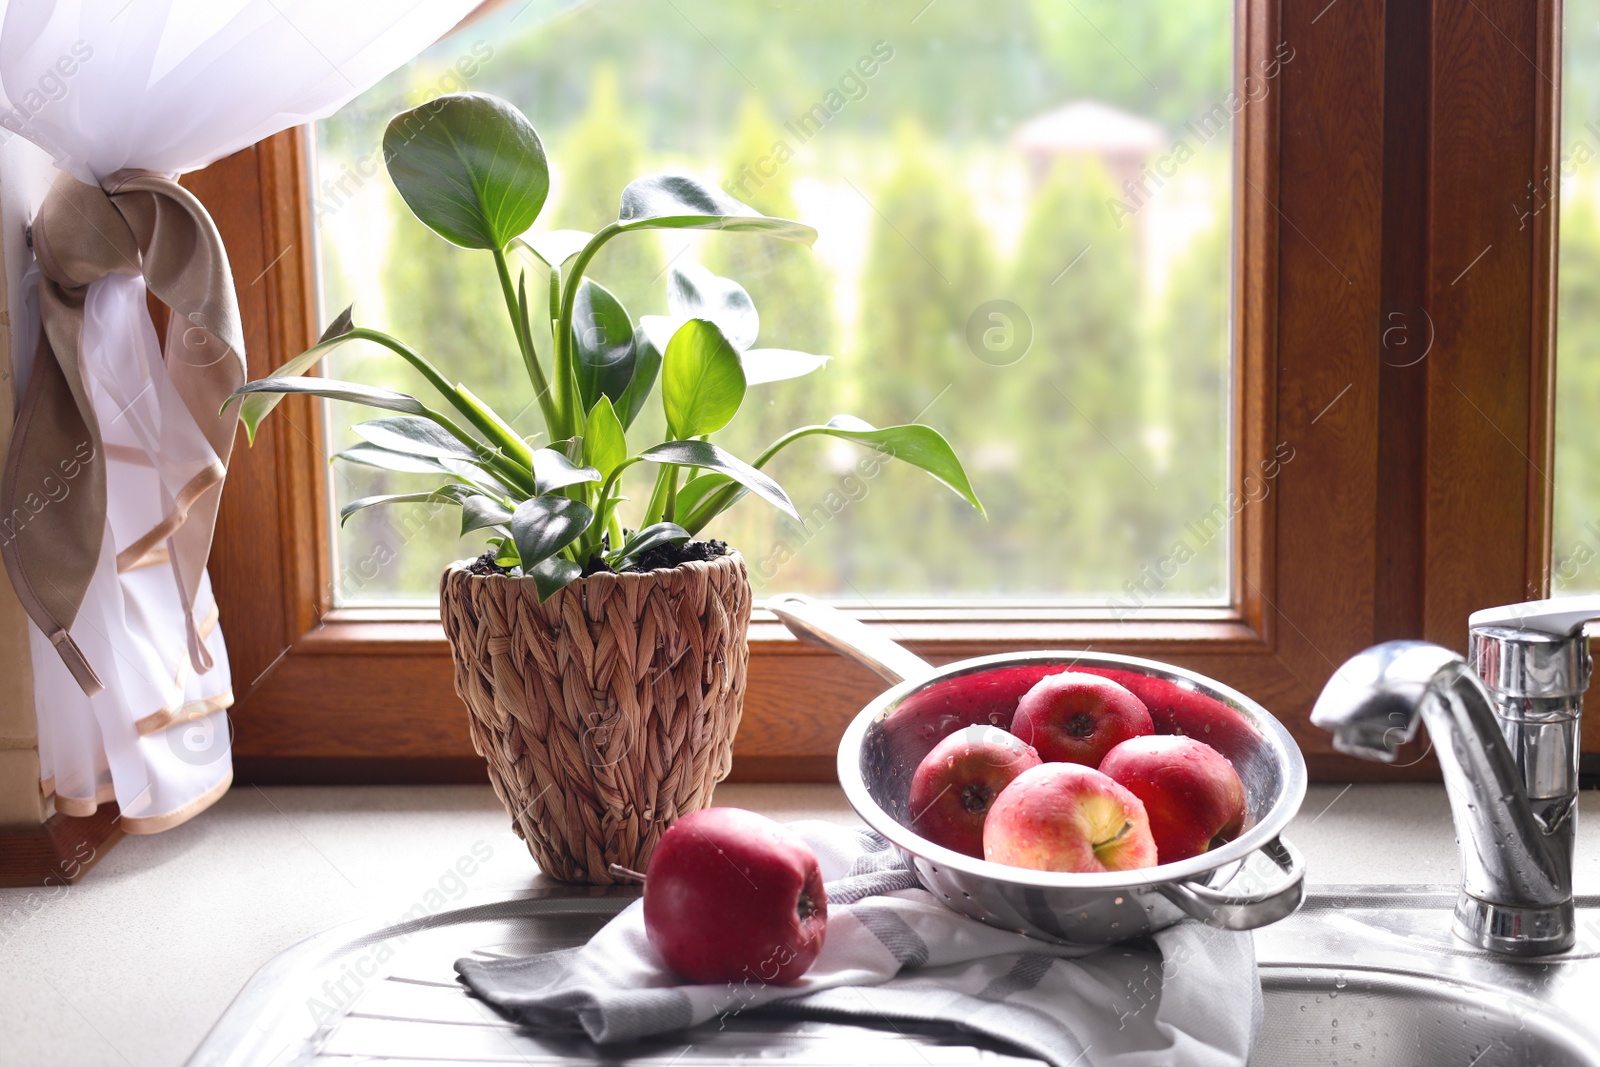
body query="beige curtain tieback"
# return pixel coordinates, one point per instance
(136, 223)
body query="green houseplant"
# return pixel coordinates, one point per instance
(605, 684)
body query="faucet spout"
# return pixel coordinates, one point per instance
(1516, 852)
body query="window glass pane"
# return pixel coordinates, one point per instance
(1025, 213)
(1576, 548)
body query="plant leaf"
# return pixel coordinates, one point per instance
(604, 443)
(710, 456)
(416, 436)
(332, 389)
(457, 493)
(470, 166)
(544, 525)
(919, 445)
(256, 407)
(661, 533)
(342, 324)
(693, 292)
(431, 496)
(553, 575)
(505, 549)
(649, 341)
(481, 513)
(479, 479)
(602, 343)
(552, 470)
(702, 380)
(555, 247)
(698, 488)
(678, 202)
(482, 478)
(763, 365)
(385, 459)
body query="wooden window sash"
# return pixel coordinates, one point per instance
(362, 695)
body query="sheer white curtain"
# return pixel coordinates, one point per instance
(164, 86)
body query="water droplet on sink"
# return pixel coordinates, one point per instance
(1338, 981)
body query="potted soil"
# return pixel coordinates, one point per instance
(601, 655)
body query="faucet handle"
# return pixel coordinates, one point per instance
(1560, 616)
(1534, 650)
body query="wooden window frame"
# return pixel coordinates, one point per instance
(1368, 176)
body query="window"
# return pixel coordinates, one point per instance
(1576, 557)
(1374, 495)
(1024, 212)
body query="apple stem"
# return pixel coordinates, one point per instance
(626, 874)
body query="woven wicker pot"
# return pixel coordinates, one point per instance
(606, 712)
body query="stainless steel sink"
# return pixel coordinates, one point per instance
(1373, 975)
(1360, 975)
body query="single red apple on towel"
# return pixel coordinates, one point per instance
(1190, 791)
(1068, 817)
(1077, 718)
(732, 896)
(954, 785)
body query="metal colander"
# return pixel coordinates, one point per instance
(1255, 879)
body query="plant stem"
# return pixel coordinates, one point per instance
(591, 537)
(565, 374)
(666, 481)
(616, 472)
(530, 358)
(671, 508)
(614, 527)
(481, 416)
(787, 439)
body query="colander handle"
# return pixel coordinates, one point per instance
(812, 620)
(1245, 902)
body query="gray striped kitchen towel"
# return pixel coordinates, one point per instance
(1188, 995)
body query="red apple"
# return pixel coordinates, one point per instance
(1077, 718)
(1178, 709)
(1068, 817)
(732, 896)
(954, 785)
(1190, 791)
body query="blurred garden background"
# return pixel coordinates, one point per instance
(1576, 549)
(970, 194)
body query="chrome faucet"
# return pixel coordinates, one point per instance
(1504, 724)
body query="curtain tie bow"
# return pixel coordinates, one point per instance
(134, 223)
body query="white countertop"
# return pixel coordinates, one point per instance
(134, 964)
